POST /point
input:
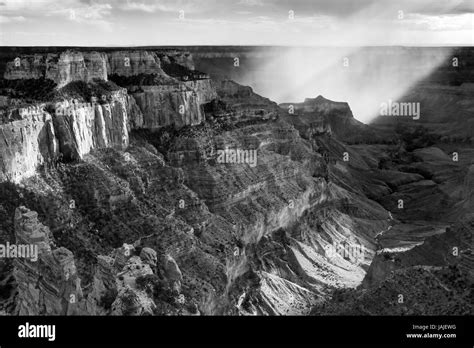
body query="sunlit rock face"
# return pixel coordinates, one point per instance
(81, 129)
(28, 140)
(34, 137)
(78, 66)
(438, 268)
(173, 103)
(168, 102)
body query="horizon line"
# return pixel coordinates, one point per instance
(230, 45)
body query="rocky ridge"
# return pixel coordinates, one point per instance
(40, 133)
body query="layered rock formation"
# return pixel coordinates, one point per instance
(30, 67)
(170, 101)
(135, 281)
(33, 136)
(28, 140)
(168, 106)
(49, 285)
(72, 66)
(130, 63)
(320, 113)
(82, 128)
(63, 68)
(70, 128)
(182, 195)
(183, 58)
(124, 282)
(433, 277)
(215, 220)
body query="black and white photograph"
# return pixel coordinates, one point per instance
(288, 164)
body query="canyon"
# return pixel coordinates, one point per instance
(109, 164)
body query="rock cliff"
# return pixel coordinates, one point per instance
(130, 63)
(28, 140)
(41, 133)
(33, 136)
(81, 128)
(61, 68)
(168, 105)
(49, 285)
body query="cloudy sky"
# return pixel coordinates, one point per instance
(236, 22)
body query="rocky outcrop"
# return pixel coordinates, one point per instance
(125, 282)
(131, 300)
(28, 67)
(149, 257)
(172, 273)
(34, 137)
(179, 57)
(177, 103)
(72, 65)
(67, 130)
(323, 115)
(168, 105)
(49, 285)
(61, 68)
(26, 142)
(239, 103)
(433, 277)
(130, 63)
(452, 246)
(104, 287)
(82, 128)
(203, 88)
(78, 66)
